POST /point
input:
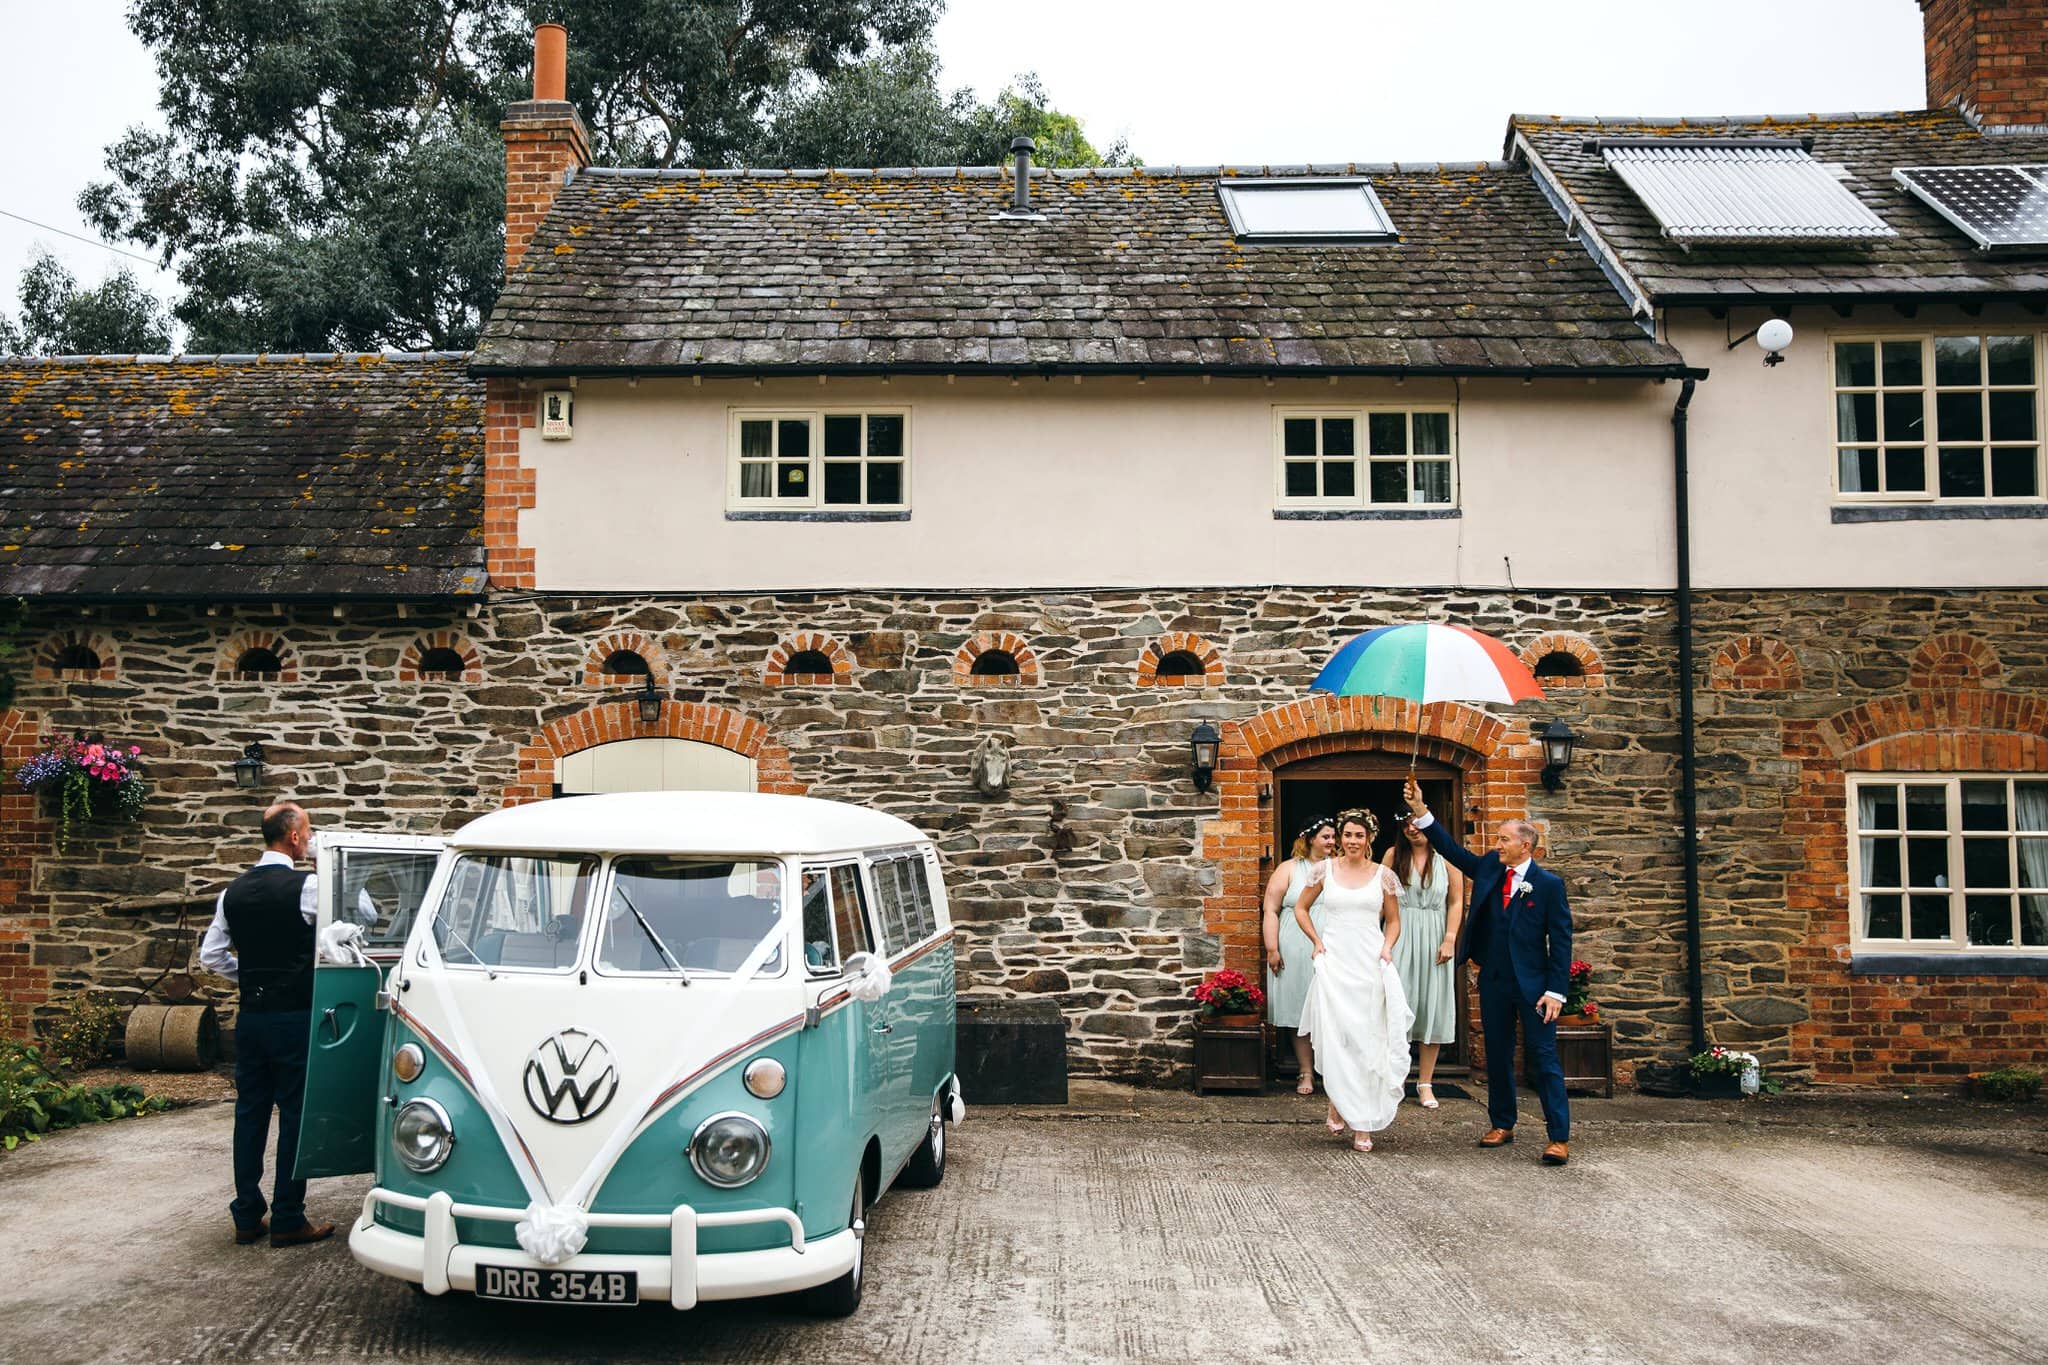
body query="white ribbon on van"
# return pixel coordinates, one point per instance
(555, 1230)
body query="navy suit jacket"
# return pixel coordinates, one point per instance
(1537, 935)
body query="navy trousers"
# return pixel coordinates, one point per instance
(270, 1072)
(1500, 1009)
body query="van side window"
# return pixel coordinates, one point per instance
(820, 958)
(849, 912)
(906, 901)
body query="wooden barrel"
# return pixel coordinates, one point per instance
(173, 1038)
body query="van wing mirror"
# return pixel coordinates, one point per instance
(871, 977)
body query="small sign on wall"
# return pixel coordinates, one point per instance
(557, 412)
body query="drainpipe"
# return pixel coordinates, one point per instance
(1688, 759)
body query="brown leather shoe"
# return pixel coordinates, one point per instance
(1556, 1154)
(312, 1232)
(1497, 1137)
(246, 1236)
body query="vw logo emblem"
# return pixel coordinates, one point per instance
(570, 1077)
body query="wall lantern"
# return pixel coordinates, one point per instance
(249, 767)
(1202, 747)
(649, 700)
(1558, 740)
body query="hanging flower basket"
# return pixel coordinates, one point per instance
(82, 779)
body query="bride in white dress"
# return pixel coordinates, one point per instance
(1356, 1016)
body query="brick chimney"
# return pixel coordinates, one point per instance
(544, 138)
(1989, 58)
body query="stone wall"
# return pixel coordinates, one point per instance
(1102, 879)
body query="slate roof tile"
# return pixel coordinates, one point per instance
(241, 477)
(1929, 255)
(1126, 269)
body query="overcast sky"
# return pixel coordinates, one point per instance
(1188, 81)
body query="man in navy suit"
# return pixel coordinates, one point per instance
(1519, 931)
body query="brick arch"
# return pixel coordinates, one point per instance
(1498, 758)
(980, 643)
(1755, 663)
(241, 642)
(1952, 659)
(1955, 730)
(45, 669)
(1175, 643)
(776, 673)
(409, 662)
(616, 720)
(641, 643)
(24, 911)
(1592, 671)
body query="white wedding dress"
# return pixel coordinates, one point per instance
(1357, 1016)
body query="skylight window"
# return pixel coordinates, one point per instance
(1707, 193)
(1311, 209)
(1993, 205)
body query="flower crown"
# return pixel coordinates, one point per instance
(1363, 817)
(1308, 831)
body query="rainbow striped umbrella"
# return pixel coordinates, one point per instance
(1423, 662)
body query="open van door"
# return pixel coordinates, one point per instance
(379, 882)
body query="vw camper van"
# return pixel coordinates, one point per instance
(651, 1046)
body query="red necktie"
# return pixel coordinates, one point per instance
(1507, 890)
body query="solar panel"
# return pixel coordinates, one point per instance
(1993, 205)
(1707, 193)
(1319, 208)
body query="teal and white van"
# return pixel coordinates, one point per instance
(663, 1045)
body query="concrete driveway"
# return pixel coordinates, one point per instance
(1136, 1226)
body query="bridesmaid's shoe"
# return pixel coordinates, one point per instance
(1307, 1087)
(1361, 1142)
(1427, 1094)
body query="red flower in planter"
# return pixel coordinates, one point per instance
(1229, 992)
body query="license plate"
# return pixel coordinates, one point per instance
(606, 1288)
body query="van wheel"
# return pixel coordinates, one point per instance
(839, 1298)
(928, 1164)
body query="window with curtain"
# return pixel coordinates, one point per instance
(1949, 863)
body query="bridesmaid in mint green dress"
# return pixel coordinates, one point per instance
(1288, 953)
(1432, 907)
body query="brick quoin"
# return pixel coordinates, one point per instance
(608, 722)
(509, 487)
(1901, 1030)
(24, 914)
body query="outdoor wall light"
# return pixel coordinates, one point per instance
(1558, 740)
(249, 767)
(649, 700)
(1202, 747)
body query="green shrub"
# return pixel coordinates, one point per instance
(35, 1101)
(2008, 1083)
(86, 1033)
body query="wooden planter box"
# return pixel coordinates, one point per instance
(1230, 1056)
(1586, 1052)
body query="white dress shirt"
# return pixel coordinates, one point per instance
(1518, 878)
(217, 950)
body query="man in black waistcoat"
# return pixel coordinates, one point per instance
(262, 939)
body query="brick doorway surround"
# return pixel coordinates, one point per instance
(24, 915)
(617, 720)
(1497, 760)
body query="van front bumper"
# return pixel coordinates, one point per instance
(438, 1262)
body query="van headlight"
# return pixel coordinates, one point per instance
(728, 1150)
(422, 1135)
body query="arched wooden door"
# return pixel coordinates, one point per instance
(654, 765)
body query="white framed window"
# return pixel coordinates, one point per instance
(1948, 863)
(820, 460)
(1375, 457)
(1943, 417)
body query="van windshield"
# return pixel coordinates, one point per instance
(515, 910)
(693, 915)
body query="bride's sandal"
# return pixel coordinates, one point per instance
(1361, 1142)
(1427, 1094)
(1334, 1124)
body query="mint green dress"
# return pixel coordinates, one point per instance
(1288, 988)
(1431, 986)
